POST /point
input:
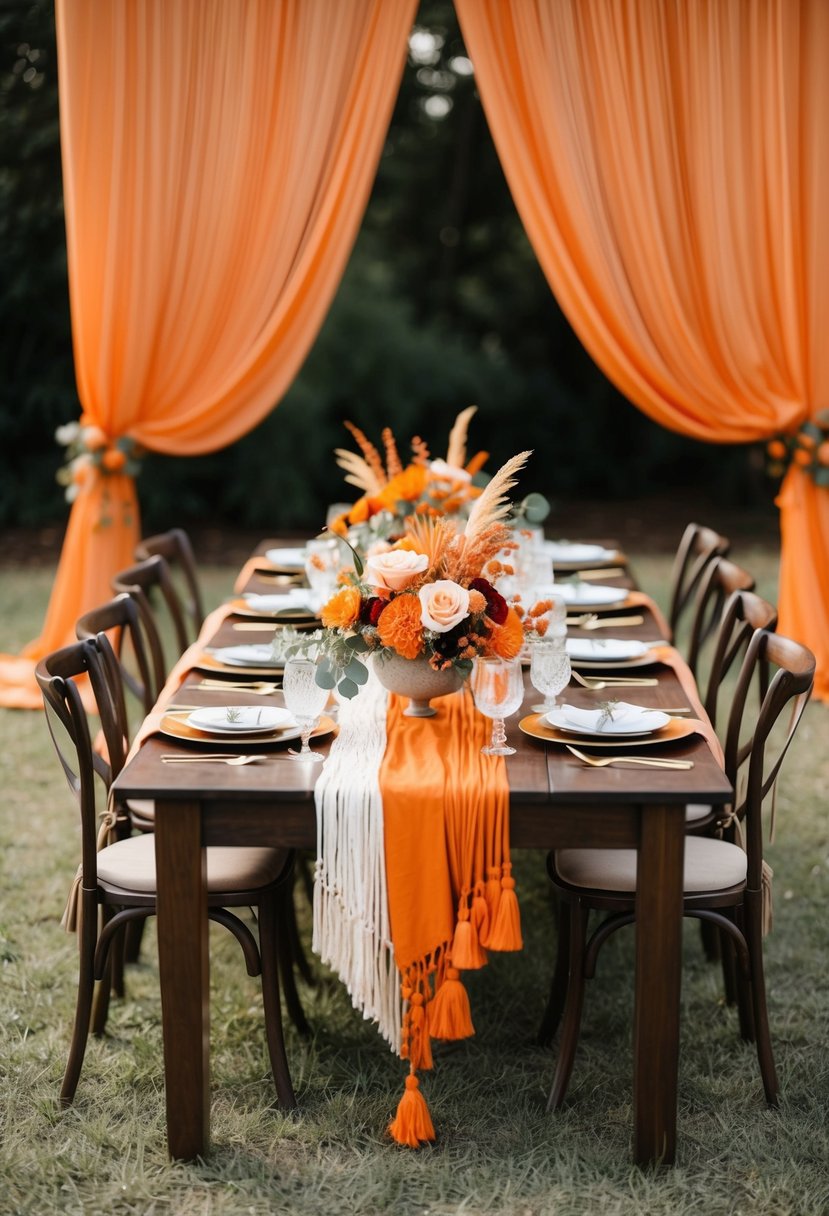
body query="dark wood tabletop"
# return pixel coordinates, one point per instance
(555, 801)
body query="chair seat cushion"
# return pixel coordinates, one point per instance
(141, 810)
(693, 811)
(710, 865)
(130, 865)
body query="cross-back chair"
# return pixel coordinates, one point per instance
(724, 884)
(136, 643)
(698, 547)
(719, 580)
(175, 547)
(151, 584)
(117, 882)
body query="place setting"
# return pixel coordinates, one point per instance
(610, 653)
(232, 725)
(577, 555)
(613, 724)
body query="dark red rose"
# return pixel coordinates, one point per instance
(371, 609)
(496, 606)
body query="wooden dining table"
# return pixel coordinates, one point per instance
(555, 802)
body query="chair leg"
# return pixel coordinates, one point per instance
(88, 931)
(710, 941)
(269, 950)
(558, 984)
(729, 969)
(285, 959)
(291, 928)
(118, 948)
(100, 1002)
(572, 1007)
(743, 987)
(765, 1055)
(133, 935)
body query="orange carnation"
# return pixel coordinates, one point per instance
(360, 511)
(405, 487)
(400, 626)
(342, 610)
(507, 640)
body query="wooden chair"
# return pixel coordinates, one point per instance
(724, 883)
(174, 546)
(117, 883)
(698, 547)
(151, 585)
(135, 641)
(719, 580)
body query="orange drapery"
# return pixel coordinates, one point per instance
(217, 161)
(670, 162)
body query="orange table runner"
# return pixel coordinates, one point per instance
(450, 891)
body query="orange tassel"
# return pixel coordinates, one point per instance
(420, 1046)
(505, 933)
(492, 894)
(480, 914)
(412, 1125)
(467, 954)
(449, 1014)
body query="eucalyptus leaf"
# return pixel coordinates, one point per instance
(347, 688)
(357, 643)
(821, 476)
(325, 679)
(357, 671)
(536, 508)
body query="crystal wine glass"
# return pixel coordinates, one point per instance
(323, 559)
(498, 688)
(306, 701)
(549, 669)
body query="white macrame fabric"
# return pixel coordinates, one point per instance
(352, 933)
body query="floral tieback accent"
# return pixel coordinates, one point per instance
(808, 448)
(90, 449)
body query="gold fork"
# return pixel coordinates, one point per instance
(589, 620)
(597, 683)
(262, 688)
(649, 761)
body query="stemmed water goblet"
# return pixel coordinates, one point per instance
(549, 669)
(306, 701)
(323, 559)
(498, 689)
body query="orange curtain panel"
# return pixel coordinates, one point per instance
(217, 160)
(670, 162)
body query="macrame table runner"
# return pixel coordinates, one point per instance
(412, 880)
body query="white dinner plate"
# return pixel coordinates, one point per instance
(626, 721)
(609, 650)
(288, 559)
(568, 553)
(585, 595)
(247, 719)
(294, 600)
(253, 655)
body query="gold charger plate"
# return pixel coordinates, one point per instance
(287, 615)
(206, 662)
(534, 726)
(599, 665)
(177, 728)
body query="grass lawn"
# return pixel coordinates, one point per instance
(498, 1151)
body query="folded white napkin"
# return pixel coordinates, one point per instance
(621, 719)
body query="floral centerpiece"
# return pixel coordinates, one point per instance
(392, 491)
(808, 448)
(429, 597)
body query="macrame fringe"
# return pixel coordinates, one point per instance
(412, 1125)
(505, 933)
(351, 932)
(768, 898)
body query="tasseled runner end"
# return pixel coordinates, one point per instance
(449, 1015)
(412, 1125)
(416, 1031)
(505, 933)
(492, 895)
(467, 952)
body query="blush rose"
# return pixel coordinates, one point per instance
(394, 570)
(443, 605)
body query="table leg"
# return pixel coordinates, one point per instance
(658, 978)
(181, 874)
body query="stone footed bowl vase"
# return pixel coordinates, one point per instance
(415, 679)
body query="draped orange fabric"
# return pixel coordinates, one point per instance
(217, 161)
(670, 162)
(450, 890)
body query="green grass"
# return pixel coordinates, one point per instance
(498, 1151)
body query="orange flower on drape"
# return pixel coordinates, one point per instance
(217, 161)
(670, 162)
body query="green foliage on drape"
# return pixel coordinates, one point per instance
(443, 305)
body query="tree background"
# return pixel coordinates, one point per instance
(443, 305)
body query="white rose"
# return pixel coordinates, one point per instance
(443, 605)
(439, 470)
(394, 570)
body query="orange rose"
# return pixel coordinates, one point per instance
(399, 626)
(93, 438)
(805, 440)
(823, 452)
(342, 609)
(113, 459)
(776, 449)
(802, 457)
(507, 640)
